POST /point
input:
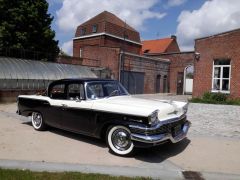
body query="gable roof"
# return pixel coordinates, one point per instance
(109, 17)
(156, 45)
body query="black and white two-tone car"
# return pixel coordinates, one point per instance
(104, 109)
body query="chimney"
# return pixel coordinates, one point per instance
(174, 37)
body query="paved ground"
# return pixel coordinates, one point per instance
(208, 119)
(212, 147)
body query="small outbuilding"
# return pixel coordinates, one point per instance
(217, 65)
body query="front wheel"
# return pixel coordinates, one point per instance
(119, 140)
(37, 121)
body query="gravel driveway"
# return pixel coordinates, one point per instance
(214, 120)
(208, 119)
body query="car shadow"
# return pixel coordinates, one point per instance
(162, 152)
(156, 154)
(75, 136)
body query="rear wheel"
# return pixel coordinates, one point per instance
(37, 121)
(119, 140)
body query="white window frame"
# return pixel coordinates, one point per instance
(221, 78)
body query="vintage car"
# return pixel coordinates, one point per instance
(104, 109)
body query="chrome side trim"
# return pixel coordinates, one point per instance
(162, 137)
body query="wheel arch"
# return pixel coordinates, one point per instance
(103, 130)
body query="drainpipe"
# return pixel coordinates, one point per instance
(119, 68)
(184, 80)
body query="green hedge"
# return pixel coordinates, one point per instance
(215, 98)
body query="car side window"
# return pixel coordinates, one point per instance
(76, 91)
(58, 92)
(95, 90)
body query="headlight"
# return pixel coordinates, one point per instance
(185, 108)
(153, 118)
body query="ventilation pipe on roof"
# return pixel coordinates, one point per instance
(174, 37)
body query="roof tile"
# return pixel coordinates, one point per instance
(156, 46)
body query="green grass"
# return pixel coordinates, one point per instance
(12, 174)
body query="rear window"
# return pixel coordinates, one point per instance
(58, 92)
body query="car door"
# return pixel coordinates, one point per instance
(57, 95)
(76, 111)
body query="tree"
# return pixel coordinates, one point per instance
(26, 24)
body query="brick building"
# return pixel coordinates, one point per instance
(105, 41)
(218, 64)
(159, 46)
(168, 48)
(106, 30)
(180, 71)
(153, 66)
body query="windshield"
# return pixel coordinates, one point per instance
(103, 89)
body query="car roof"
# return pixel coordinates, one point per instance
(81, 80)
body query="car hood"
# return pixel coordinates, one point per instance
(138, 106)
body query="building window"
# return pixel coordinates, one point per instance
(94, 28)
(221, 76)
(80, 52)
(126, 36)
(83, 31)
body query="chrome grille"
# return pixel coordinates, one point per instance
(166, 128)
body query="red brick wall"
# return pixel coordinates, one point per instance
(150, 68)
(179, 61)
(77, 44)
(110, 28)
(106, 42)
(127, 46)
(107, 58)
(69, 60)
(226, 45)
(88, 28)
(173, 47)
(120, 31)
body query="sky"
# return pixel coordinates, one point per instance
(153, 19)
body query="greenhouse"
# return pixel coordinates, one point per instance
(20, 74)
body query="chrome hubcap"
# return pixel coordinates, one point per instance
(37, 119)
(121, 139)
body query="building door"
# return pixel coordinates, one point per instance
(158, 83)
(165, 84)
(133, 81)
(180, 83)
(188, 79)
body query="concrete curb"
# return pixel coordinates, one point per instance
(110, 170)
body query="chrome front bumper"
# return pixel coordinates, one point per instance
(158, 138)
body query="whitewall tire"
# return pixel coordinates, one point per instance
(119, 140)
(37, 121)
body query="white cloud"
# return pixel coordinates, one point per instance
(213, 17)
(75, 12)
(135, 12)
(67, 47)
(172, 3)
